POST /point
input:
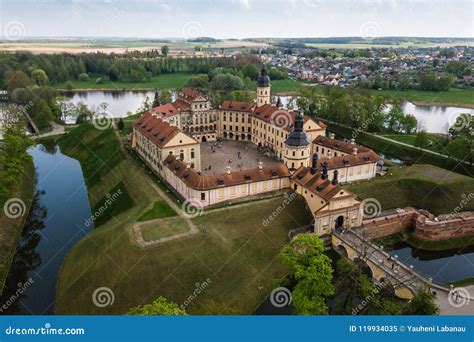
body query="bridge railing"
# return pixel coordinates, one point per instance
(389, 271)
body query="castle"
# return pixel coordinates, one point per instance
(169, 137)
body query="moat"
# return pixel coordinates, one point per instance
(56, 222)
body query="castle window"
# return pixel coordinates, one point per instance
(181, 155)
(192, 153)
(203, 196)
(294, 153)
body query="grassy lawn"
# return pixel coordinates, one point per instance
(438, 143)
(239, 259)
(11, 228)
(164, 81)
(162, 228)
(160, 209)
(420, 185)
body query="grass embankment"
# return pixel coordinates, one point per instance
(11, 228)
(239, 259)
(427, 245)
(423, 186)
(395, 150)
(437, 143)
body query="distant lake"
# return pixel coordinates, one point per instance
(433, 119)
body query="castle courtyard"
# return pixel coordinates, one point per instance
(215, 156)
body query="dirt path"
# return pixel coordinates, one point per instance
(137, 226)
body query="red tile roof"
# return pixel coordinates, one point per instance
(339, 145)
(181, 105)
(208, 182)
(316, 184)
(158, 131)
(238, 106)
(189, 94)
(165, 110)
(350, 160)
(271, 114)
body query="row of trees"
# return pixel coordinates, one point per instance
(357, 109)
(13, 155)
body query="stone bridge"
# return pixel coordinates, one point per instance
(384, 268)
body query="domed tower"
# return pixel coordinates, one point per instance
(263, 88)
(297, 146)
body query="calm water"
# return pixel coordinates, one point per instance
(120, 102)
(54, 225)
(443, 266)
(433, 119)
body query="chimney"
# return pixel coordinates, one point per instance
(260, 165)
(353, 141)
(227, 168)
(325, 170)
(334, 180)
(332, 135)
(354, 150)
(188, 166)
(314, 164)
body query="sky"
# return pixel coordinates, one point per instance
(236, 18)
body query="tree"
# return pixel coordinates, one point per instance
(311, 270)
(422, 304)
(156, 99)
(226, 83)
(462, 131)
(16, 79)
(39, 77)
(159, 307)
(250, 71)
(84, 77)
(69, 86)
(165, 96)
(165, 50)
(120, 124)
(199, 81)
(422, 140)
(13, 155)
(408, 123)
